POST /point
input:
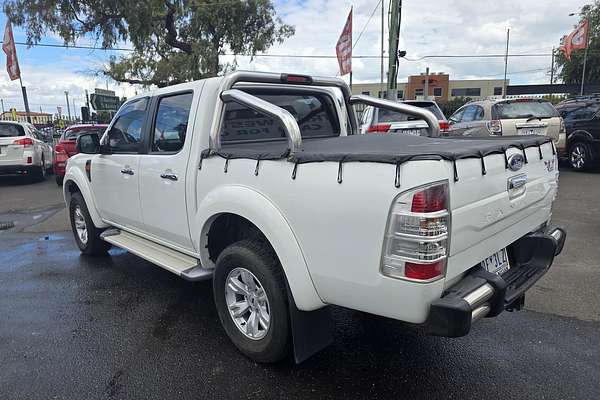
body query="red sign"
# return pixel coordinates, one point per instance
(578, 39)
(343, 48)
(8, 45)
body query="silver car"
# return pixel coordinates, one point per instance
(23, 150)
(377, 120)
(505, 117)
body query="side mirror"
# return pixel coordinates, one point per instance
(88, 143)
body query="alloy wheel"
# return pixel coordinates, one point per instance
(247, 303)
(577, 156)
(80, 225)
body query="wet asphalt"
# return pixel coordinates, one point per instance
(118, 327)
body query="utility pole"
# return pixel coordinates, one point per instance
(25, 101)
(426, 89)
(68, 107)
(2, 101)
(505, 63)
(552, 68)
(87, 99)
(395, 12)
(382, 34)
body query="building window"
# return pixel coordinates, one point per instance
(437, 92)
(384, 94)
(461, 92)
(497, 91)
(400, 94)
(418, 92)
(367, 93)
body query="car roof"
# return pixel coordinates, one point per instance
(77, 126)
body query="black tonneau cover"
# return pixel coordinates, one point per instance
(381, 148)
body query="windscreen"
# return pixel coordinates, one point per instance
(10, 130)
(315, 113)
(524, 109)
(74, 133)
(394, 116)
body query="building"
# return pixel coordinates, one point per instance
(37, 118)
(441, 87)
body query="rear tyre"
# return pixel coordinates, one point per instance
(580, 156)
(59, 180)
(39, 173)
(251, 300)
(87, 236)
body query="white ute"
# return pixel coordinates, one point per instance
(261, 182)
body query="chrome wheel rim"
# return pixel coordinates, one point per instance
(578, 157)
(247, 303)
(80, 226)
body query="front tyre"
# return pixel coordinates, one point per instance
(251, 300)
(87, 236)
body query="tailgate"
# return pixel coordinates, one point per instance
(417, 128)
(488, 215)
(9, 152)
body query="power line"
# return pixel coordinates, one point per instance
(365, 27)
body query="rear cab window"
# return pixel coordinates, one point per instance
(315, 114)
(11, 130)
(523, 109)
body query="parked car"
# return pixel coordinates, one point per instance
(380, 120)
(582, 121)
(66, 148)
(504, 117)
(23, 150)
(262, 189)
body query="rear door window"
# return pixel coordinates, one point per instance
(10, 130)
(171, 123)
(394, 116)
(585, 112)
(524, 109)
(315, 114)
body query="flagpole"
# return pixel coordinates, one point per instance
(587, 44)
(26, 103)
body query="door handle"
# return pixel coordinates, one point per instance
(168, 175)
(127, 171)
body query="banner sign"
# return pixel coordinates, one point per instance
(8, 45)
(343, 48)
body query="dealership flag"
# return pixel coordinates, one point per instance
(8, 45)
(343, 48)
(577, 39)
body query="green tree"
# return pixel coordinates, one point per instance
(173, 40)
(450, 107)
(570, 71)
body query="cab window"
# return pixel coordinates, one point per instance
(125, 135)
(171, 123)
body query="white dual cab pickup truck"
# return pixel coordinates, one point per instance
(261, 182)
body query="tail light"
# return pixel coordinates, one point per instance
(416, 239)
(25, 142)
(562, 126)
(444, 126)
(60, 148)
(379, 128)
(495, 127)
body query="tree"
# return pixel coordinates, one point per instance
(570, 72)
(173, 40)
(450, 107)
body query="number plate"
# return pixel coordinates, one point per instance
(497, 263)
(531, 131)
(415, 132)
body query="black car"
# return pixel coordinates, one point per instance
(582, 121)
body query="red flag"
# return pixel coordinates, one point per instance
(8, 45)
(343, 48)
(578, 39)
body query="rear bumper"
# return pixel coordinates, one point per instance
(17, 169)
(483, 294)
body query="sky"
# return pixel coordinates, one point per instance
(428, 27)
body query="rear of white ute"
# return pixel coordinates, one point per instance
(486, 234)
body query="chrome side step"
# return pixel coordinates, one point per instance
(180, 264)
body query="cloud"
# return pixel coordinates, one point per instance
(429, 27)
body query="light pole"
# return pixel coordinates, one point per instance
(68, 107)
